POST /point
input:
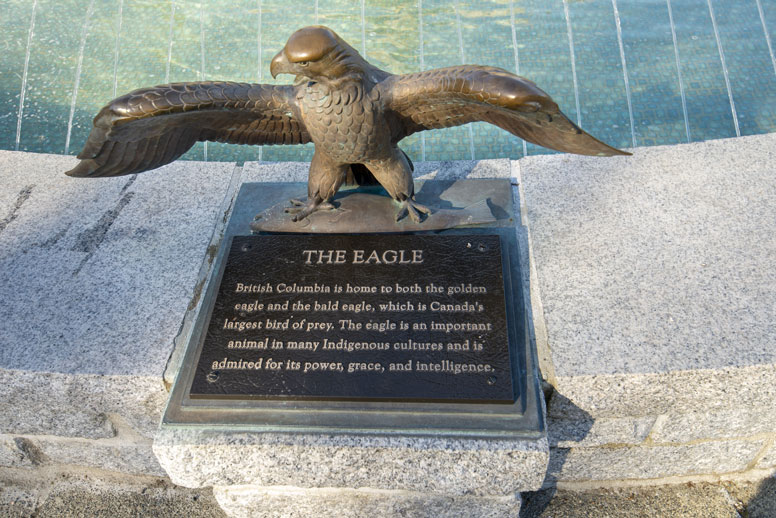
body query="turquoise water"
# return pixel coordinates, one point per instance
(632, 72)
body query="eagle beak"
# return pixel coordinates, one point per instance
(279, 65)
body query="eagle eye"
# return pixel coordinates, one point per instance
(303, 63)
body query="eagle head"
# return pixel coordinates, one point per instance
(318, 53)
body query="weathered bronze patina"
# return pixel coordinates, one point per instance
(353, 112)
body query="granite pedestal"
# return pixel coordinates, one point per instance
(341, 459)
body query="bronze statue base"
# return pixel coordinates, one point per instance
(456, 204)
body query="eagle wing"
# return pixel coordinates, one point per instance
(150, 127)
(452, 96)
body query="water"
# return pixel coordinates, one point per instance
(642, 72)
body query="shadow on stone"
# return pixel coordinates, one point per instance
(120, 504)
(573, 426)
(687, 500)
(754, 500)
(535, 502)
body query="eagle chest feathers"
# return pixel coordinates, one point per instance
(342, 121)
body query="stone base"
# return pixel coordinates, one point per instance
(291, 502)
(261, 474)
(454, 466)
(366, 459)
(255, 474)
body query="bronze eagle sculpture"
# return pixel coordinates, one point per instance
(352, 111)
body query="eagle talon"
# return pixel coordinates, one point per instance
(301, 209)
(414, 209)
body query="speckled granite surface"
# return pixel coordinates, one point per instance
(655, 273)
(652, 277)
(95, 276)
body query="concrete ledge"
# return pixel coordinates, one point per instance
(17, 452)
(297, 171)
(56, 494)
(95, 276)
(695, 500)
(248, 502)
(651, 462)
(119, 455)
(78, 405)
(588, 432)
(662, 255)
(678, 392)
(652, 279)
(654, 292)
(742, 422)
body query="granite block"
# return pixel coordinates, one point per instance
(658, 262)
(70, 405)
(453, 170)
(196, 458)
(297, 171)
(275, 171)
(645, 462)
(133, 457)
(95, 277)
(722, 424)
(203, 276)
(18, 451)
(768, 460)
(95, 274)
(10, 453)
(570, 433)
(250, 501)
(679, 392)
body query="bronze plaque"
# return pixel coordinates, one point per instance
(359, 317)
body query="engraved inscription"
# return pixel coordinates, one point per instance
(417, 317)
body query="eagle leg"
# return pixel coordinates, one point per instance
(411, 207)
(395, 175)
(325, 178)
(302, 209)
